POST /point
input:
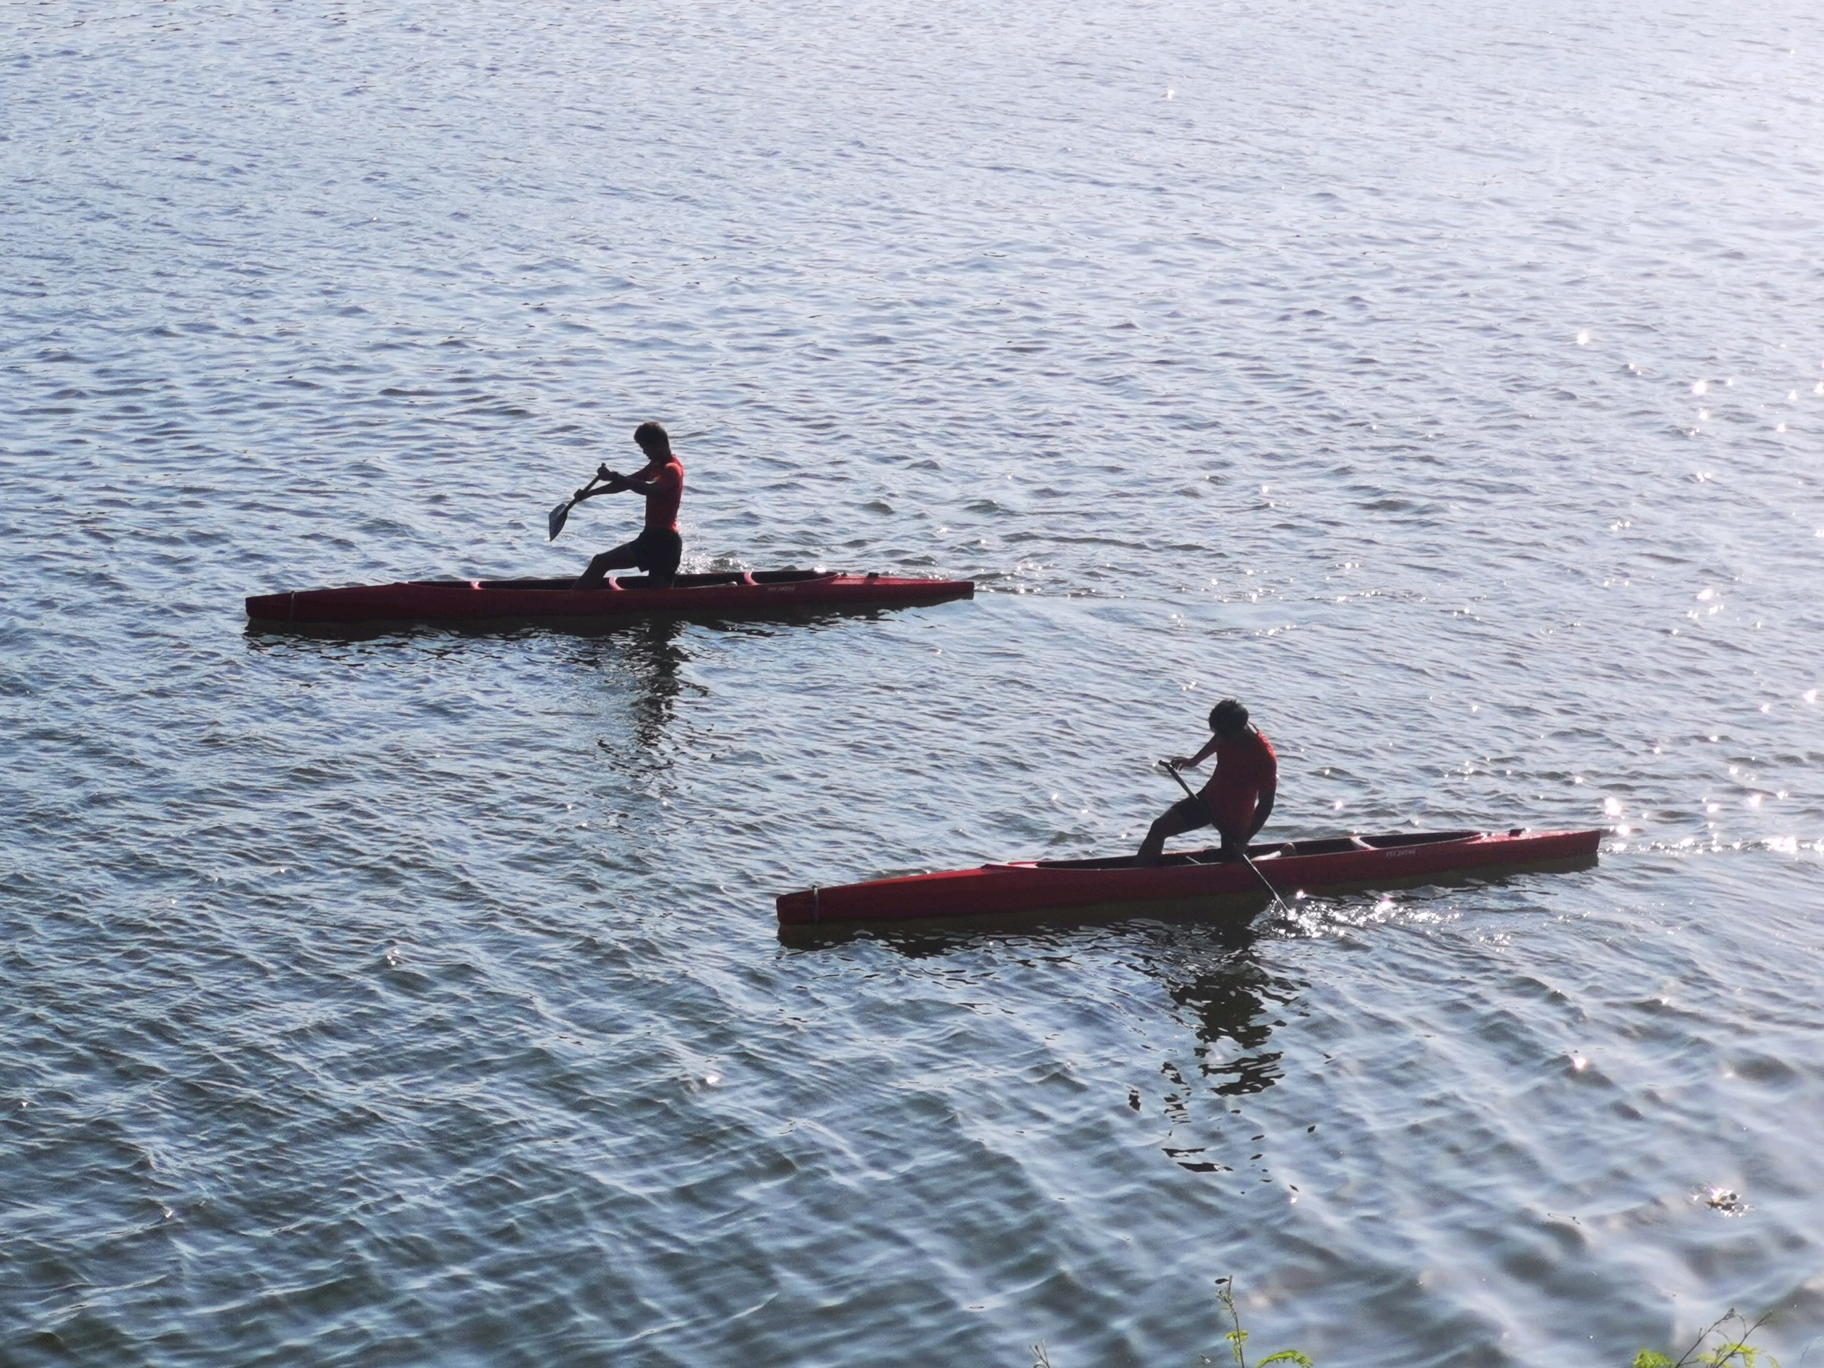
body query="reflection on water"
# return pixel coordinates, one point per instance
(1216, 982)
(644, 659)
(1228, 999)
(1232, 1003)
(1278, 387)
(640, 662)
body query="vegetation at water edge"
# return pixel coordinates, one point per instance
(1732, 1330)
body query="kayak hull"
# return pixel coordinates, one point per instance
(1188, 881)
(767, 593)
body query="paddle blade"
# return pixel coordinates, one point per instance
(558, 516)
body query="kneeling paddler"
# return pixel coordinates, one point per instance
(658, 548)
(1239, 797)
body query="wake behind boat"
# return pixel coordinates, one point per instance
(1189, 882)
(765, 593)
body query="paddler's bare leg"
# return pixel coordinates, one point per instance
(1187, 814)
(621, 558)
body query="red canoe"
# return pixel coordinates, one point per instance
(765, 593)
(1182, 882)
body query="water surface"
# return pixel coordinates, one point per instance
(1444, 383)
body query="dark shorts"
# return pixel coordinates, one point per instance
(1187, 814)
(657, 551)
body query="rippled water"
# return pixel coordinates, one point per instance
(1444, 382)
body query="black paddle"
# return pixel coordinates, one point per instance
(1264, 880)
(555, 523)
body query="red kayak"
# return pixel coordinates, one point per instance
(1186, 882)
(765, 593)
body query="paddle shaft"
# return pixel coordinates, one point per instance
(561, 514)
(602, 476)
(1242, 848)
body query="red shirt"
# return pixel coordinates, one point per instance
(1244, 766)
(668, 490)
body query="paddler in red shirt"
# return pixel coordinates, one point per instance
(1239, 796)
(658, 548)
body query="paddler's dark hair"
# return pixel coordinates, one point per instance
(652, 438)
(1228, 718)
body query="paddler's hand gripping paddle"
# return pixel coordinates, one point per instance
(1265, 882)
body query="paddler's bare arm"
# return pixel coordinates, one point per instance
(1192, 761)
(640, 482)
(615, 484)
(1263, 809)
